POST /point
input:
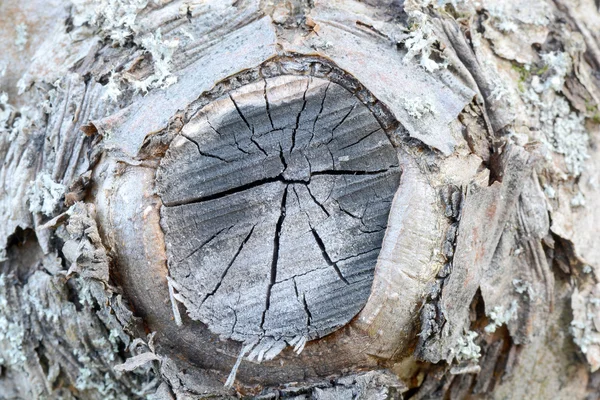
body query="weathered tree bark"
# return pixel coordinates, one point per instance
(300, 199)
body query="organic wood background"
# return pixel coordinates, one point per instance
(436, 161)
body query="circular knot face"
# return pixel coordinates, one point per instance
(275, 203)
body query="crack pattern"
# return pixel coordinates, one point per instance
(224, 274)
(275, 258)
(322, 106)
(361, 139)
(278, 178)
(203, 153)
(302, 175)
(267, 106)
(203, 244)
(326, 256)
(295, 129)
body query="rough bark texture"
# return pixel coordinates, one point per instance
(299, 199)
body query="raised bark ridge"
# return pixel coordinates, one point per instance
(275, 203)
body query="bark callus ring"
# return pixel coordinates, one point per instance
(275, 203)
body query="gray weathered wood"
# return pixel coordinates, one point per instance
(276, 198)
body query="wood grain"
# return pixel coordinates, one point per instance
(276, 198)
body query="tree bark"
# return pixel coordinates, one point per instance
(299, 199)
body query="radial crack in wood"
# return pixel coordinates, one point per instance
(275, 201)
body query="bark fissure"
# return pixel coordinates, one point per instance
(237, 144)
(361, 218)
(352, 172)
(282, 158)
(258, 145)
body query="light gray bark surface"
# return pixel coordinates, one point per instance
(404, 192)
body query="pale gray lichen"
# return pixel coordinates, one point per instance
(499, 316)
(318, 43)
(578, 200)
(112, 88)
(564, 130)
(566, 134)
(6, 110)
(51, 96)
(454, 3)
(22, 85)
(161, 51)
(523, 287)
(47, 309)
(52, 263)
(438, 4)
(466, 349)
(509, 14)
(586, 323)
(9, 125)
(518, 138)
(21, 36)
(417, 107)
(420, 41)
(506, 25)
(17, 123)
(42, 301)
(187, 34)
(561, 65)
(549, 192)
(45, 195)
(12, 332)
(500, 90)
(116, 20)
(113, 19)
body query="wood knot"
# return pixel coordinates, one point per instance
(275, 202)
